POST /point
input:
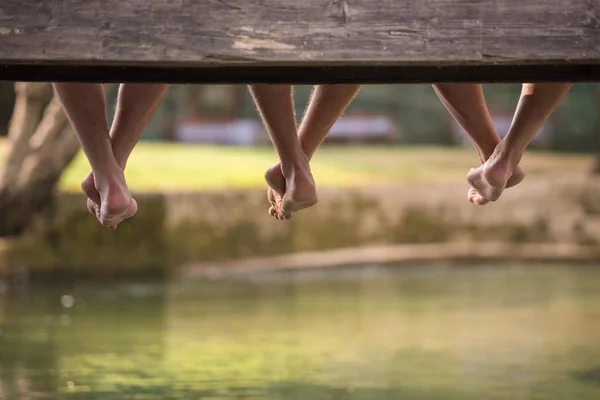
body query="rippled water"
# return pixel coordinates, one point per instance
(482, 332)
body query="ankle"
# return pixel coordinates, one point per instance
(299, 165)
(507, 152)
(113, 179)
(485, 155)
(288, 170)
(487, 150)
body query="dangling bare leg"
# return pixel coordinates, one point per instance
(276, 108)
(85, 107)
(136, 105)
(327, 104)
(466, 103)
(537, 102)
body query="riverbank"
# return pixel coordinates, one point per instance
(403, 254)
(543, 215)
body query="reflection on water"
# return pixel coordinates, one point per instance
(372, 333)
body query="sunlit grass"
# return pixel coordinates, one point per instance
(169, 166)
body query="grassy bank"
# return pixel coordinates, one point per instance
(178, 167)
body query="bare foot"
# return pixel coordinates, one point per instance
(88, 186)
(291, 194)
(109, 201)
(275, 192)
(476, 198)
(491, 178)
(516, 178)
(300, 191)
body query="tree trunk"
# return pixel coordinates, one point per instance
(42, 144)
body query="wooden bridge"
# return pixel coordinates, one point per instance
(300, 41)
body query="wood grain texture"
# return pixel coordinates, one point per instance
(299, 32)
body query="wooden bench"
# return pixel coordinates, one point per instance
(300, 41)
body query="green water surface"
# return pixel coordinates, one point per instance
(423, 332)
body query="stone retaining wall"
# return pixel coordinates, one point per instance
(172, 229)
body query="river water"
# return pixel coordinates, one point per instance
(405, 332)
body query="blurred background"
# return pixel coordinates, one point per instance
(392, 286)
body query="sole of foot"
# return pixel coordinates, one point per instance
(111, 203)
(491, 178)
(111, 218)
(517, 177)
(300, 191)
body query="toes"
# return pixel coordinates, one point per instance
(271, 197)
(471, 194)
(276, 209)
(480, 201)
(470, 197)
(275, 213)
(279, 215)
(92, 207)
(476, 198)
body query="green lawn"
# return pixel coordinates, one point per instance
(166, 166)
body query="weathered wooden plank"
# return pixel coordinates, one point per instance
(309, 33)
